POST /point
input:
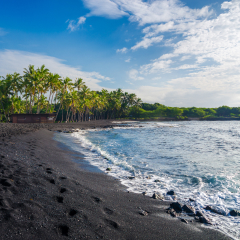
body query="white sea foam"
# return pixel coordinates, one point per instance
(119, 122)
(145, 182)
(163, 124)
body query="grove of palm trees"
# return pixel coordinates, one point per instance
(40, 91)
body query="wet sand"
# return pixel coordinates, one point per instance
(44, 194)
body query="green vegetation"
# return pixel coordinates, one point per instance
(156, 110)
(40, 91)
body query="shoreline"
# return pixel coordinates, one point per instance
(45, 195)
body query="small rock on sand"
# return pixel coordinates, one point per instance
(176, 206)
(143, 213)
(234, 213)
(188, 209)
(171, 192)
(184, 220)
(215, 210)
(157, 196)
(131, 178)
(204, 219)
(199, 214)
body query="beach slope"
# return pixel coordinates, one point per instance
(44, 194)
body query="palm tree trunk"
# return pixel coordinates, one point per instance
(30, 104)
(4, 111)
(57, 112)
(49, 101)
(26, 104)
(72, 116)
(68, 112)
(62, 113)
(38, 105)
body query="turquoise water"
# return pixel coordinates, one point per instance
(199, 160)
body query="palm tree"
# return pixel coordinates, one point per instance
(85, 99)
(66, 85)
(79, 102)
(54, 84)
(42, 83)
(16, 82)
(74, 102)
(114, 99)
(30, 82)
(79, 84)
(4, 91)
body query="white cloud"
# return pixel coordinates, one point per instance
(160, 11)
(209, 43)
(133, 74)
(226, 5)
(214, 48)
(186, 66)
(147, 42)
(73, 26)
(106, 8)
(185, 57)
(156, 78)
(155, 29)
(155, 66)
(128, 60)
(183, 97)
(166, 12)
(212, 78)
(145, 12)
(168, 56)
(123, 50)
(149, 93)
(15, 61)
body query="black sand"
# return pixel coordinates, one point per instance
(45, 195)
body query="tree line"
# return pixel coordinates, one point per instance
(157, 110)
(40, 91)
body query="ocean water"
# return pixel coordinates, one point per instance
(198, 160)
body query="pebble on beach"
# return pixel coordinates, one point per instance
(234, 213)
(171, 192)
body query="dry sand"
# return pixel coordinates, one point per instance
(45, 195)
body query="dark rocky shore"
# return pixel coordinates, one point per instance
(45, 195)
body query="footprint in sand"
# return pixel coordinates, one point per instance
(5, 182)
(59, 199)
(72, 212)
(62, 190)
(52, 181)
(108, 211)
(6, 214)
(64, 229)
(62, 178)
(97, 199)
(49, 170)
(112, 223)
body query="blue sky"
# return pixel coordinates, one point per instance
(178, 53)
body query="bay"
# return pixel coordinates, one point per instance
(196, 159)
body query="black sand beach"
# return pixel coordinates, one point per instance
(45, 195)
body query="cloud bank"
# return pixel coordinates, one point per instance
(15, 61)
(200, 45)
